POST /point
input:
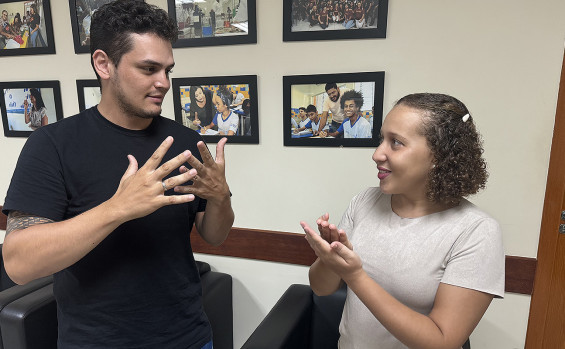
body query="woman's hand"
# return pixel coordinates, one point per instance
(337, 256)
(330, 233)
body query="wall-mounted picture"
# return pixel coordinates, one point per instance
(333, 109)
(81, 14)
(219, 106)
(29, 105)
(89, 94)
(214, 22)
(26, 28)
(332, 20)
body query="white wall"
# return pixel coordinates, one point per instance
(502, 58)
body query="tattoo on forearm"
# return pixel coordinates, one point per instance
(20, 220)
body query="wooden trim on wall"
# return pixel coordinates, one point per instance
(293, 248)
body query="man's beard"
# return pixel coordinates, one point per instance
(131, 110)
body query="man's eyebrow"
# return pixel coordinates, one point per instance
(152, 62)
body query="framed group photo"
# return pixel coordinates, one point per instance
(26, 28)
(81, 15)
(333, 110)
(214, 22)
(89, 93)
(218, 106)
(29, 105)
(334, 19)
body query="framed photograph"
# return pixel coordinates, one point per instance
(88, 93)
(219, 106)
(26, 28)
(81, 14)
(28, 105)
(214, 22)
(333, 109)
(332, 20)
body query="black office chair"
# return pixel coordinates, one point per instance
(302, 320)
(28, 313)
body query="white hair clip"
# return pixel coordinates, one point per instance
(465, 117)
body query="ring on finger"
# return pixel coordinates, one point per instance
(164, 186)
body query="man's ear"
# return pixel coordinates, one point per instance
(102, 64)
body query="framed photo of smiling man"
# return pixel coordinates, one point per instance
(333, 109)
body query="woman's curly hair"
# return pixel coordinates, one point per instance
(456, 146)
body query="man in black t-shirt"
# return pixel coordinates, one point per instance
(115, 235)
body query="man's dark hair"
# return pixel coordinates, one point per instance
(302, 108)
(113, 23)
(354, 96)
(331, 85)
(311, 108)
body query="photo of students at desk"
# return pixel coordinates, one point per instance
(216, 109)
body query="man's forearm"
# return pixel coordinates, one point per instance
(32, 251)
(215, 224)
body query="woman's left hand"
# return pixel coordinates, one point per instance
(336, 256)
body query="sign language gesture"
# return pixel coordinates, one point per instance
(208, 177)
(141, 190)
(333, 249)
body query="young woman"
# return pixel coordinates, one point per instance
(421, 263)
(201, 107)
(34, 30)
(226, 120)
(37, 116)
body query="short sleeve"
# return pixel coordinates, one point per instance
(477, 260)
(233, 122)
(37, 185)
(326, 106)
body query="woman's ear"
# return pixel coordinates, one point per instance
(102, 64)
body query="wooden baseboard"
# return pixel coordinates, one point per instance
(294, 249)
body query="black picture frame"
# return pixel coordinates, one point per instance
(310, 89)
(297, 26)
(248, 117)
(20, 40)
(81, 12)
(202, 32)
(12, 104)
(88, 92)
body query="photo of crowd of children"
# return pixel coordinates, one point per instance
(218, 109)
(84, 9)
(314, 15)
(23, 25)
(25, 109)
(211, 18)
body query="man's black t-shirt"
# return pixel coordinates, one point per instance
(139, 288)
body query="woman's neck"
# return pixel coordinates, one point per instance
(413, 208)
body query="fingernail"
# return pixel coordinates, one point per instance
(186, 153)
